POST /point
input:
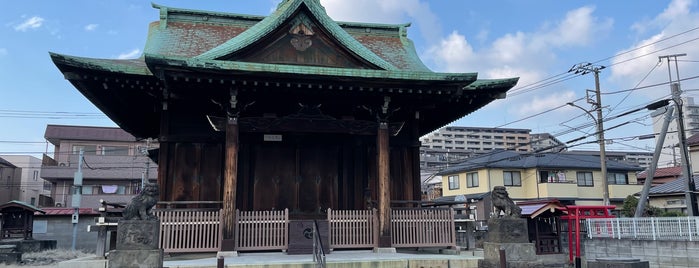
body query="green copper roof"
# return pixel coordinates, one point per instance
(134, 66)
(154, 60)
(285, 10)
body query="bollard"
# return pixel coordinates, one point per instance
(503, 259)
(220, 262)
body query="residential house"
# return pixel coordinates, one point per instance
(32, 189)
(113, 168)
(662, 175)
(670, 196)
(569, 178)
(641, 159)
(9, 181)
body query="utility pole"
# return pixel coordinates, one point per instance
(691, 198)
(582, 69)
(75, 201)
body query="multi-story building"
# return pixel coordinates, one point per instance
(453, 144)
(670, 155)
(546, 143)
(477, 139)
(641, 159)
(570, 178)
(9, 181)
(114, 164)
(31, 188)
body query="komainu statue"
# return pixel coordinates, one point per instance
(141, 205)
(503, 203)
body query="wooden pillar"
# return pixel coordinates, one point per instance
(163, 152)
(230, 184)
(384, 191)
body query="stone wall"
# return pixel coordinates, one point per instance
(659, 253)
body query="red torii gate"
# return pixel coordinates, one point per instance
(577, 213)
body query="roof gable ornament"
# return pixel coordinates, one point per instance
(304, 14)
(302, 33)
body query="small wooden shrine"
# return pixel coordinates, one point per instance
(18, 219)
(292, 110)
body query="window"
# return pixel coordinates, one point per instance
(33, 201)
(585, 179)
(87, 149)
(36, 175)
(552, 176)
(47, 186)
(512, 178)
(453, 182)
(115, 150)
(617, 178)
(472, 180)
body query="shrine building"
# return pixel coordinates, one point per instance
(293, 110)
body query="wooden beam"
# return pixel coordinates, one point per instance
(230, 183)
(384, 186)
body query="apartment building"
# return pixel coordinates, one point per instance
(546, 143)
(476, 139)
(113, 168)
(9, 181)
(30, 188)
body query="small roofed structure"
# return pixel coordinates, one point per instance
(18, 219)
(544, 222)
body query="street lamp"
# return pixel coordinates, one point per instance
(602, 153)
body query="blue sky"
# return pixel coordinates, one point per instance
(534, 40)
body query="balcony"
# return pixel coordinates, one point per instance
(623, 190)
(567, 189)
(99, 167)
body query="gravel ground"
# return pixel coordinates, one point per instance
(49, 258)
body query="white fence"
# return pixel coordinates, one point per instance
(666, 228)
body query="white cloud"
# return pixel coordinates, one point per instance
(631, 65)
(30, 23)
(129, 55)
(387, 11)
(539, 104)
(91, 27)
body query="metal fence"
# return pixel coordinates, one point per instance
(665, 228)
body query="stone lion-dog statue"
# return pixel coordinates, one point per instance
(141, 206)
(503, 203)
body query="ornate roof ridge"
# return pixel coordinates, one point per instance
(284, 11)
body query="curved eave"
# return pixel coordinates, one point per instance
(121, 89)
(282, 14)
(232, 67)
(131, 66)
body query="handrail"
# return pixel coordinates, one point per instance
(318, 252)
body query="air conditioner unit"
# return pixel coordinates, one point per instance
(58, 204)
(63, 164)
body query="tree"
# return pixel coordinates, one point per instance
(630, 204)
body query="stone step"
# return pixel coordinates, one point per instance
(7, 248)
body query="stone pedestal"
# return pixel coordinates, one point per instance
(511, 235)
(137, 244)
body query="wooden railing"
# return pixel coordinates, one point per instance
(353, 228)
(262, 230)
(190, 230)
(423, 227)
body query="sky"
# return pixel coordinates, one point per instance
(538, 41)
